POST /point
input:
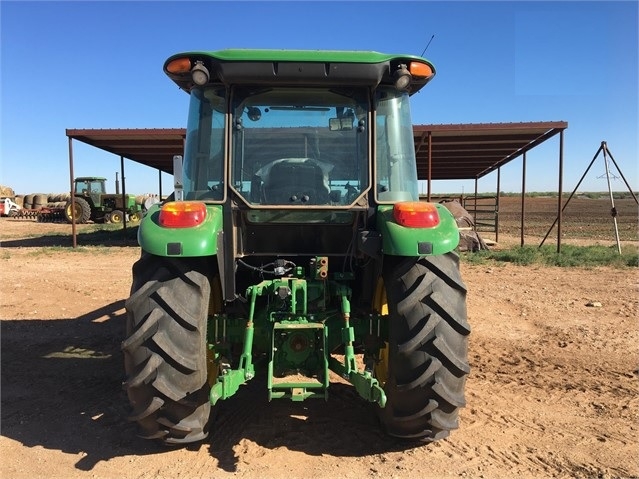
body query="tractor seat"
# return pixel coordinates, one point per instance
(296, 181)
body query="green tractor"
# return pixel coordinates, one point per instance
(93, 203)
(295, 245)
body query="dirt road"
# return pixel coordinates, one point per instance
(553, 390)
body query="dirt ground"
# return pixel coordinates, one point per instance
(553, 390)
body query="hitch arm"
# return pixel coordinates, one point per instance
(365, 384)
(231, 380)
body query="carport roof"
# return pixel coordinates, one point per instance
(457, 151)
(473, 150)
(154, 147)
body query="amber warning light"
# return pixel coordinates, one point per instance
(182, 214)
(179, 65)
(416, 214)
(419, 69)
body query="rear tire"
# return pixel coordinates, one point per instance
(428, 347)
(165, 349)
(82, 211)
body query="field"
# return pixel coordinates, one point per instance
(553, 390)
(582, 218)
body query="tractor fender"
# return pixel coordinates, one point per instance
(398, 240)
(196, 241)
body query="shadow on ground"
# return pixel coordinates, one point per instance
(61, 386)
(109, 236)
(61, 389)
(343, 426)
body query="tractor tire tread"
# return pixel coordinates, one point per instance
(165, 349)
(428, 355)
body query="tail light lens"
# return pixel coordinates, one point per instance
(416, 214)
(179, 65)
(418, 69)
(182, 214)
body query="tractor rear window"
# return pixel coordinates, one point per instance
(299, 146)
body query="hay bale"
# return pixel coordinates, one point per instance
(40, 200)
(7, 191)
(463, 218)
(28, 201)
(469, 240)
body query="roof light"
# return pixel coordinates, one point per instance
(200, 74)
(419, 69)
(402, 78)
(179, 65)
(182, 214)
(416, 214)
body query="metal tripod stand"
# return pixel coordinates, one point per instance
(613, 211)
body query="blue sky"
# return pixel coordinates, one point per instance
(93, 64)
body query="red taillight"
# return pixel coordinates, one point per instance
(416, 214)
(182, 214)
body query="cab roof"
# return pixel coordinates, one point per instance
(294, 67)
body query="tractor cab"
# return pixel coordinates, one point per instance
(302, 146)
(91, 188)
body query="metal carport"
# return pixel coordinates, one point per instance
(466, 151)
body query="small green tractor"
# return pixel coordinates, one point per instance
(93, 203)
(295, 245)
